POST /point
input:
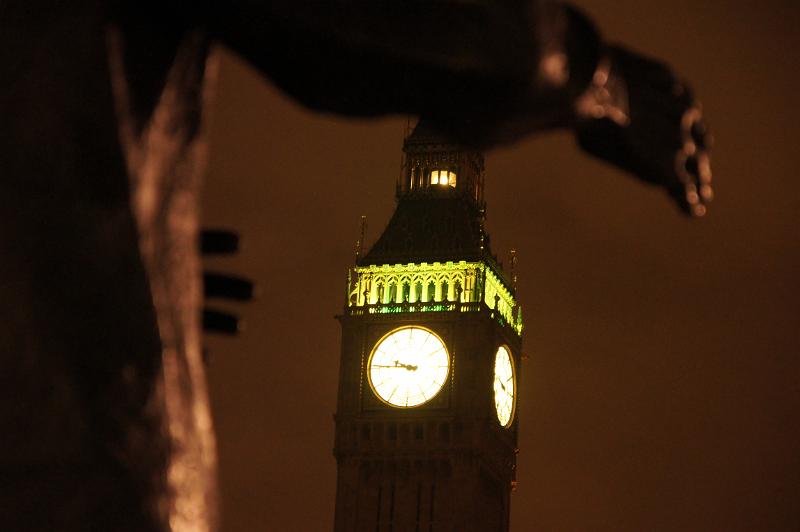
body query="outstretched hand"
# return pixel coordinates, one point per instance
(638, 116)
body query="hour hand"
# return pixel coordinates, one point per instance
(409, 367)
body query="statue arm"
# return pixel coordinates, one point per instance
(486, 73)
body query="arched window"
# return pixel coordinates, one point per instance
(379, 298)
(443, 177)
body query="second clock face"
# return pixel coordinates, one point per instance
(408, 367)
(504, 392)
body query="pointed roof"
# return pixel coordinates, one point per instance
(426, 134)
(430, 228)
(432, 223)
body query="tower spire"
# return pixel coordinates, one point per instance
(360, 242)
(513, 271)
(435, 164)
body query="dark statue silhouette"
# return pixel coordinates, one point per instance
(104, 413)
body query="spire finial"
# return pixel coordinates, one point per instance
(360, 243)
(514, 268)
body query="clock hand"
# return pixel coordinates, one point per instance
(409, 367)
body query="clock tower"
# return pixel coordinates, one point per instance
(426, 430)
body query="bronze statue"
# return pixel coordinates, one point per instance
(104, 410)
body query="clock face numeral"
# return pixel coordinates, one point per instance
(504, 387)
(408, 367)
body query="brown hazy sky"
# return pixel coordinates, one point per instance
(661, 390)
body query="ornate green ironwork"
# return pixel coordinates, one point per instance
(432, 287)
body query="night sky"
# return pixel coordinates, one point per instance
(662, 382)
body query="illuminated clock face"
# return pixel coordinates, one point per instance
(408, 367)
(504, 387)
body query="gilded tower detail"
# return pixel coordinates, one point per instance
(426, 429)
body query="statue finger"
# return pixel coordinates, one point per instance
(693, 186)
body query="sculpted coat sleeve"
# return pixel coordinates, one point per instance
(486, 73)
(472, 65)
